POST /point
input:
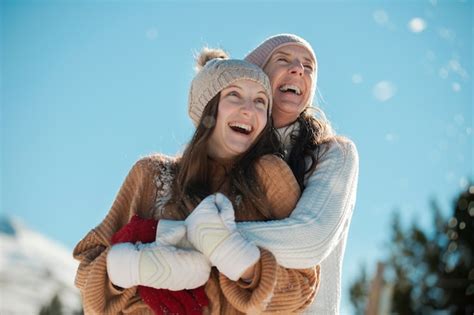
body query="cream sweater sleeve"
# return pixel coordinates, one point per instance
(320, 218)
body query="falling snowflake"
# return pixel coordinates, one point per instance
(456, 87)
(455, 66)
(380, 17)
(443, 73)
(446, 33)
(463, 183)
(356, 78)
(391, 137)
(384, 90)
(417, 25)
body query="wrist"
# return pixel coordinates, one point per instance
(248, 274)
(234, 256)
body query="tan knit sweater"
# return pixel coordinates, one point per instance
(145, 192)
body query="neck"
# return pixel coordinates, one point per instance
(219, 174)
(227, 163)
(281, 120)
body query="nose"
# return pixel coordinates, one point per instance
(248, 108)
(297, 68)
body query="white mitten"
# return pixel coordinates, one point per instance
(215, 234)
(165, 226)
(159, 264)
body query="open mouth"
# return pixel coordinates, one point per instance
(290, 88)
(241, 128)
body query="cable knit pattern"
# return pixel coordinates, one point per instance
(141, 194)
(319, 224)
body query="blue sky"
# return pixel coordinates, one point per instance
(88, 87)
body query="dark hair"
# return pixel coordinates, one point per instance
(313, 132)
(192, 183)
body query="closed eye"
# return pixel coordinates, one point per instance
(233, 93)
(261, 103)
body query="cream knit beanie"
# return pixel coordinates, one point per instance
(217, 74)
(262, 53)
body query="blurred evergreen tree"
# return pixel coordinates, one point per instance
(431, 271)
(359, 291)
(54, 307)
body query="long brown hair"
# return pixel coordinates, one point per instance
(314, 131)
(193, 182)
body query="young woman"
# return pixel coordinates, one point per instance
(230, 104)
(326, 168)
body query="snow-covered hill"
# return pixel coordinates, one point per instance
(33, 269)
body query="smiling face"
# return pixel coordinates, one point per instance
(241, 116)
(292, 72)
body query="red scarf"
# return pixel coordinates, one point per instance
(161, 301)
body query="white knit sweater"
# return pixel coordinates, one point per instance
(317, 229)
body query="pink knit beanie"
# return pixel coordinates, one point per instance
(262, 53)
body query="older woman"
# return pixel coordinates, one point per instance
(325, 166)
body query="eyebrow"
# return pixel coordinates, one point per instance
(261, 93)
(238, 87)
(232, 86)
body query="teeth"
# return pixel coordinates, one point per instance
(245, 127)
(287, 87)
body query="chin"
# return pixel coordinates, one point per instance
(240, 151)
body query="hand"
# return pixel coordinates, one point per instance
(212, 230)
(159, 264)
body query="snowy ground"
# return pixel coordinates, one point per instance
(32, 270)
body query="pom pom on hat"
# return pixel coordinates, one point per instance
(208, 54)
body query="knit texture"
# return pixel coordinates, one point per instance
(215, 76)
(262, 53)
(138, 196)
